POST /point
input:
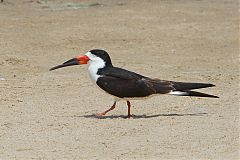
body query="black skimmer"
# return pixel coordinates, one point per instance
(126, 85)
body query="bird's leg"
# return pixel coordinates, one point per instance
(129, 109)
(105, 112)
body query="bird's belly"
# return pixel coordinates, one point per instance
(126, 93)
(117, 98)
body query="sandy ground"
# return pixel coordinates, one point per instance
(49, 115)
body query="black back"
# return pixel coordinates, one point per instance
(123, 83)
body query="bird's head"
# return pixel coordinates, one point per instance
(93, 56)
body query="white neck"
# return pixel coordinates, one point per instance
(95, 63)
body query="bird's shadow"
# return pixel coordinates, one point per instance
(142, 116)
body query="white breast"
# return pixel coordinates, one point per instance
(95, 63)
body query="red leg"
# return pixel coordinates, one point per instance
(105, 112)
(129, 109)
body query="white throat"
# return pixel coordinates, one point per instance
(95, 63)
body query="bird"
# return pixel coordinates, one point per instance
(126, 85)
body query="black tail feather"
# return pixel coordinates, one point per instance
(199, 94)
(178, 88)
(183, 86)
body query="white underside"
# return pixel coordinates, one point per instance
(95, 63)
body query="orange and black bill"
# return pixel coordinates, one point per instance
(70, 62)
(74, 61)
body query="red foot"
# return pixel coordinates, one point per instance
(129, 109)
(105, 112)
(129, 116)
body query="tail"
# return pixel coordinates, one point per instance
(178, 88)
(184, 89)
(184, 86)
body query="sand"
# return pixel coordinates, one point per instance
(50, 115)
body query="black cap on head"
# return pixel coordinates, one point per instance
(102, 54)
